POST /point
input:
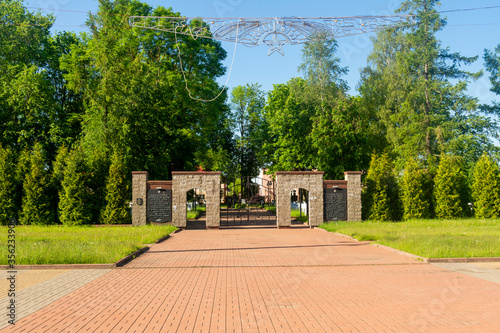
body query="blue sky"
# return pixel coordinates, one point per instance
(468, 32)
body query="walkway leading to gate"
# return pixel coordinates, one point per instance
(269, 280)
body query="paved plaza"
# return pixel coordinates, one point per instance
(260, 280)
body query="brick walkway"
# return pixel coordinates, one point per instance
(268, 280)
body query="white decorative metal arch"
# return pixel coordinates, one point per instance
(273, 32)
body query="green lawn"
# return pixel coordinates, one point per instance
(36, 245)
(195, 213)
(296, 214)
(429, 238)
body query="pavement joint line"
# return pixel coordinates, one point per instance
(273, 266)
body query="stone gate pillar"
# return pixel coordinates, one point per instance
(182, 182)
(139, 197)
(353, 195)
(286, 181)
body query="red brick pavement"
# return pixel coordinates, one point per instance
(268, 280)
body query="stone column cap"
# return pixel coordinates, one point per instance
(200, 173)
(139, 172)
(300, 172)
(353, 173)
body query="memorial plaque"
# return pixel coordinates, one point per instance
(335, 204)
(159, 205)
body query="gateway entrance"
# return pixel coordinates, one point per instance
(248, 201)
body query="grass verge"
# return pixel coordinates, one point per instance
(296, 214)
(195, 213)
(37, 245)
(429, 238)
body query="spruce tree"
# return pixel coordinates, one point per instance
(416, 191)
(36, 207)
(8, 208)
(116, 210)
(73, 198)
(486, 188)
(450, 191)
(381, 193)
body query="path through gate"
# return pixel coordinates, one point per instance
(248, 201)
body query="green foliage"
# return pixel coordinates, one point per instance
(116, 210)
(451, 192)
(418, 91)
(380, 196)
(416, 191)
(313, 123)
(136, 97)
(492, 63)
(250, 127)
(36, 202)
(486, 188)
(74, 207)
(8, 209)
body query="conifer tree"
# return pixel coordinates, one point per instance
(416, 191)
(116, 210)
(73, 198)
(57, 177)
(36, 208)
(381, 193)
(7, 186)
(486, 188)
(450, 191)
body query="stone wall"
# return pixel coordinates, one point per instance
(182, 182)
(311, 181)
(353, 195)
(139, 191)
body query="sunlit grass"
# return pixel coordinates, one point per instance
(36, 245)
(195, 213)
(298, 217)
(429, 238)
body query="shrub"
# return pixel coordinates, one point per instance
(486, 188)
(450, 191)
(8, 208)
(36, 202)
(380, 196)
(416, 191)
(116, 210)
(73, 197)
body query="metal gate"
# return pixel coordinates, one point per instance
(248, 201)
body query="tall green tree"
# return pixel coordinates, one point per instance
(451, 190)
(74, 197)
(8, 209)
(486, 188)
(116, 210)
(492, 64)
(313, 123)
(134, 88)
(289, 119)
(381, 194)
(249, 126)
(416, 191)
(36, 204)
(417, 89)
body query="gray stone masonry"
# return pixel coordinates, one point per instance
(353, 195)
(139, 191)
(311, 181)
(185, 181)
